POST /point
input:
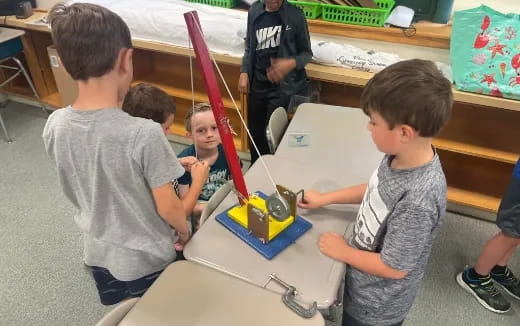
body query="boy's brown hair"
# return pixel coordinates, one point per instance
(200, 107)
(412, 92)
(88, 38)
(149, 102)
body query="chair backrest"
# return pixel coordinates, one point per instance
(276, 128)
(114, 317)
(215, 200)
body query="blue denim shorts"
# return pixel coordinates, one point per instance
(112, 290)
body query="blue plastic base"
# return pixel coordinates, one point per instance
(275, 246)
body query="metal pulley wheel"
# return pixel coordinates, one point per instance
(278, 207)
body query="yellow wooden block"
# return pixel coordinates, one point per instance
(239, 215)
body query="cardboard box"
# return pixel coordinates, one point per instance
(67, 87)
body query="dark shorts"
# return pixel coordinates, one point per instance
(508, 218)
(112, 290)
(348, 320)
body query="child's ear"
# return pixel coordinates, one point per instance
(126, 59)
(407, 133)
(188, 134)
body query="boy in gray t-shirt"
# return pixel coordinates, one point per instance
(403, 204)
(115, 169)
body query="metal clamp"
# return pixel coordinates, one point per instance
(288, 298)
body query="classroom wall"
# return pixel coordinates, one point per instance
(46, 4)
(500, 5)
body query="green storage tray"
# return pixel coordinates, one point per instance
(357, 15)
(217, 3)
(312, 10)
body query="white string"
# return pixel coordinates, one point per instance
(238, 110)
(192, 92)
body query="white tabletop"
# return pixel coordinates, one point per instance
(7, 34)
(315, 276)
(338, 140)
(189, 294)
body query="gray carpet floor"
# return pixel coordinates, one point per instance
(44, 282)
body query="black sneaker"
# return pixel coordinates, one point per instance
(484, 291)
(508, 282)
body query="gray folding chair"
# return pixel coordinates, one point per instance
(10, 46)
(114, 317)
(215, 200)
(276, 128)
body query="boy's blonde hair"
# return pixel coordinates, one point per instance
(201, 107)
(88, 38)
(412, 92)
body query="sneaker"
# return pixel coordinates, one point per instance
(508, 282)
(484, 291)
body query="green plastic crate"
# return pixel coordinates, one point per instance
(357, 15)
(217, 3)
(312, 10)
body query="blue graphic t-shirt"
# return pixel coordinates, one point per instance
(219, 173)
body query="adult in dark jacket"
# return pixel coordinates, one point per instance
(273, 67)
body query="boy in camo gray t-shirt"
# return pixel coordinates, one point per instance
(403, 204)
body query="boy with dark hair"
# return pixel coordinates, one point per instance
(150, 102)
(115, 169)
(403, 205)
(491, 267)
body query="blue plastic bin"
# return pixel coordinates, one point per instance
(10, 48)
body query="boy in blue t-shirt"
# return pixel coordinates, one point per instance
(202, 129)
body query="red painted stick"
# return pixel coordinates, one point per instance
(215, 99)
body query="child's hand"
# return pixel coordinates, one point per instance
(200, 172)
(187, 162)
(280, 68)
(183, 239)
(332, 245)
(311, 199)
(243, 83)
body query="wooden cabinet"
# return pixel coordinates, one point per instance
(478, 147)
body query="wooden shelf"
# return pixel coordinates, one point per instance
(360, 78)
(477, 151)
(53, 99)
(426, 34)
(163, 82)
(473, 199)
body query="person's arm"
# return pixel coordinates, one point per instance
(351, 195)
(335, 246)
(159, 166)
(170, 208)
(408, 233)
(303, 44)
(190, 193)
(243, 80)
(280, 67)
(244, 68)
